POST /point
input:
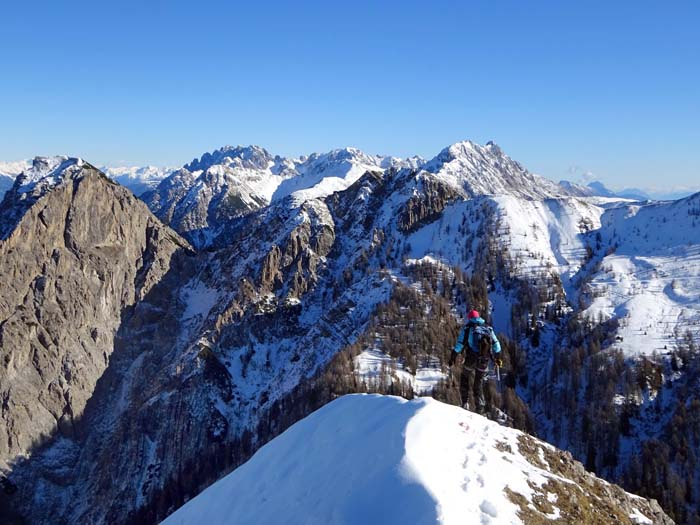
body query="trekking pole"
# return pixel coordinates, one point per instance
(498, 370)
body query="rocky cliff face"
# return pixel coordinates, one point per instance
(76, 252)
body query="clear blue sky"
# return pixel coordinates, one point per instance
(611, 87)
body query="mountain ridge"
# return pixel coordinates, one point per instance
(388, 460)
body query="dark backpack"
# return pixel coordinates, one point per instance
(483, 342)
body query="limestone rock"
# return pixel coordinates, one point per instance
(77, 252)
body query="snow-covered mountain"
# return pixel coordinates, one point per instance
(385, 460)
(597, 188)
(231, 182)
(139, 179)
(14, 168)
(645, 274)
(346, 282)
(44, 174)
(486, 170)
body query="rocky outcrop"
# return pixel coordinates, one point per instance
(425, 206)
(578, 495)
(197, 205)
(75, 256)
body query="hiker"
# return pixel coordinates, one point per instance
(481, 346)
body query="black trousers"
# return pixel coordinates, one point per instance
(472, 381)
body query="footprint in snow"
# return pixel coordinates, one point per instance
(488, 508)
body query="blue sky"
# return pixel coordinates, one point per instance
(611, 88)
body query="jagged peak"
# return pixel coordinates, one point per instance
(577, 190)
(465, 149)
(493, 148)
(487, 170)
(339, 155)
(459, 150)
(255, 157)
(46, 172)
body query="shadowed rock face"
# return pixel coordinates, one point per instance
(78, 255)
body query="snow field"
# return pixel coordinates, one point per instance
(373, 366)
(369, 459)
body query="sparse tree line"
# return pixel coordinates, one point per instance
(597, 402)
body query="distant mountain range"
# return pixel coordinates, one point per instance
(599, 189)
(142, 179)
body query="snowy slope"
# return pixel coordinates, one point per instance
(486, 170)
(648, 274)
(645, 270)
(372, 366)
(373, 459)
(320, 175)
(547, 235)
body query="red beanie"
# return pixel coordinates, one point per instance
(473, 314)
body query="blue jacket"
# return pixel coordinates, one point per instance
(477, 321)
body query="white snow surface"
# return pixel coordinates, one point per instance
(375, 459)
(373, 366)
(198, 299)
(648, 275)
(319, 175)
(544, 236)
